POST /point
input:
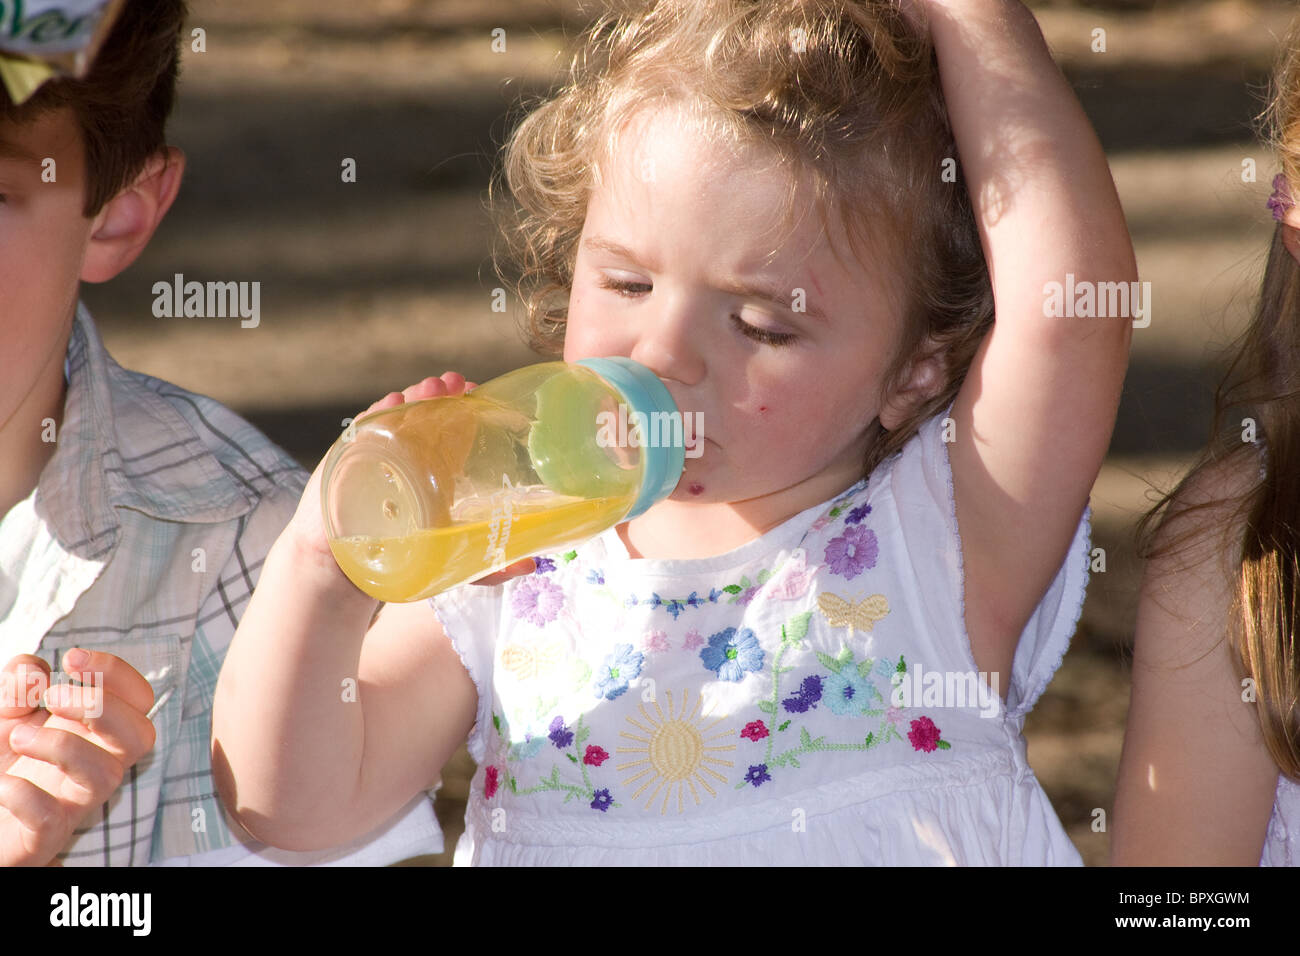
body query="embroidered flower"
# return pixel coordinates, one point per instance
(731, 654)
(810, 692)
(602, 800)
(847, 694)
(560, 735)
(595, 756)
(754, 730)
(491, 783)
(529, 748)
(693, 640)
(537, 600)
(852, 552)
(821, 522)
(655, 641)
(793, 578)
(924, 735)
(595, 576)
(544, 565)
(619, 668)
(857, 514)
(885, 668)
(895, 714)
(758, 774)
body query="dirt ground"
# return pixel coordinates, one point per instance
(372, 285)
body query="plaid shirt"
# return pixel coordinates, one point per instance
(144, 538)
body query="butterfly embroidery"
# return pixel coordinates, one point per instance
(527, 662)
(861, 616)
(806, 698)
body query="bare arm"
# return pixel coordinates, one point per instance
(1035, 415)
(1196, 783)
(302, 764)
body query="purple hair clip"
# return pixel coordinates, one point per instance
(1280, 202)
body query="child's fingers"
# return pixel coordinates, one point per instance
(449, 383)
(95, 771)
(522, 566)
(391, 400)
(103, 718)
(22, 685)
(98, 669)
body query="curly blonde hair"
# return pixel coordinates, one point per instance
(845, 92)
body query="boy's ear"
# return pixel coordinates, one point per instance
(127, 222)
(921, 381)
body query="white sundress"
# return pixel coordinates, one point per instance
(806, 698)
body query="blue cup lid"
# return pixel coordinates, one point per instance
(645, 396)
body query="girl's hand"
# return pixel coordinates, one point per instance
(306, 530)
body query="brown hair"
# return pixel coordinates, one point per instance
(121, 106)
(845, 91)
(1262, 534)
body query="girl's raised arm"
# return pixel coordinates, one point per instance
(1034, 417)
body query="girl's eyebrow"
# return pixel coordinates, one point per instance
(754, 289)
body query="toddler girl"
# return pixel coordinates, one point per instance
(1212, 751)
(795, 657)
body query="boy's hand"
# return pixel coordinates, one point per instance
(308, 527)
(63, 753)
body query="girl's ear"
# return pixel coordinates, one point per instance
(1291, 239)
(127, 222)
(922, 380)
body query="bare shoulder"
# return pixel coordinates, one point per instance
(1196, 783)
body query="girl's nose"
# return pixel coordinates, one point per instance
(670, 345)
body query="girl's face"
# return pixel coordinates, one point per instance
(673, 271)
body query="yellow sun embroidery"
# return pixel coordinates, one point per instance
(674, 753)
(842, 613)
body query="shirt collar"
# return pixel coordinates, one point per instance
(122, 444)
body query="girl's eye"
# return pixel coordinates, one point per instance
(764, 336)
(623, 287)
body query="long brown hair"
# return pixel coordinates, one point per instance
(1262, 384)
(854, 106)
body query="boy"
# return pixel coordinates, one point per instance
(134, 516)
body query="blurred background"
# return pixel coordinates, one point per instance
(370, 286)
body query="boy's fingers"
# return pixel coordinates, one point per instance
(22, 685)
(38, 812)
(98, 669)
(95, 771)
(103, 718)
